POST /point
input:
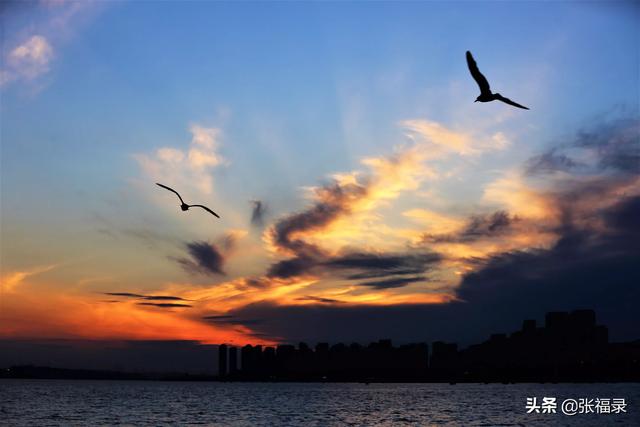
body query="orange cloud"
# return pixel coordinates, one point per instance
(12, 280)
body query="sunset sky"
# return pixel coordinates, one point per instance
(362, 192)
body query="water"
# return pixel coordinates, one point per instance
(56, 402)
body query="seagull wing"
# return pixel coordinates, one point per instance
(170, 189)
(477, 75)
(206, 209)
(508, 101)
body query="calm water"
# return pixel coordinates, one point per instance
(53, 402)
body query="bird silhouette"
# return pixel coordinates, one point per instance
(485, 91)
(184, 206)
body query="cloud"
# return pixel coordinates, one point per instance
(615, 144)
(360, 265)
(341, 215)
(608, 146)
(33, 49)
(442, 141)
(345, 196)
(316, 299)
(190, 169)
(218, 317)
(397, 282)
(28, 60)
(292, 267)
(124, 294)
(330, 241)
(231, 320)
(514, 194)
(478, 227)
(146, 297)
(206, 259)
(586, 268)
(435, 221)
(164, 304)
(332, 201)
(550, 162)
(258, 213)
(11, 282)
(591, 262)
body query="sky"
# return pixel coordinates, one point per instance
(362, 192)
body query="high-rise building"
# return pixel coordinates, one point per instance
(222, 360)
(233, 360)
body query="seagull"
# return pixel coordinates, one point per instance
(184, 206)
(485, 91)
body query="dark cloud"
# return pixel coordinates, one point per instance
(228, 242)
(614, 143)
(292, 267)
(626, 217)
(163, 298)
(334, 200)
(232, 320)
(218, 317)
(617, 144)
(584, 269)
(319, 299)
(593, 264)
(124, 294)
(397, 282)
(206, 259)
(163, 304)
(146, 297)
(550, 162)
(361, 266)
(366, 265)
(258, 212)
(477, 227)
(257, 283)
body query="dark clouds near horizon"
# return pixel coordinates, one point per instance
(585, 269)
(588, 267)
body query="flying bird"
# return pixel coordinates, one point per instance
(184, 206)
(485, 91)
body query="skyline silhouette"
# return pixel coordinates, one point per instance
(568, 347)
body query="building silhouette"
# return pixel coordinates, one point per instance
(222, 360)
(233, 360)
(569, 347)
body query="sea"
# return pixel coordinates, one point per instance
(141, 403)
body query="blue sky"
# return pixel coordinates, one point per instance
(296, 91)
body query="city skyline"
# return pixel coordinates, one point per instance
(361, 190)
(566, 347)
